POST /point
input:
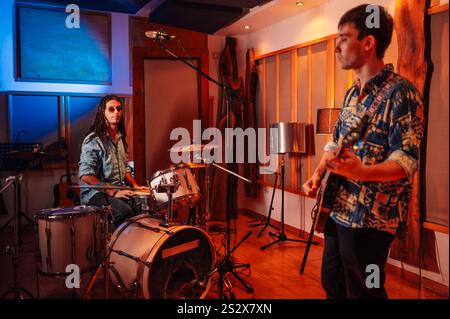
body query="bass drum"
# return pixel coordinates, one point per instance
(155, 262)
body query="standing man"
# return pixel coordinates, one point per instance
(374, 188)
(104, 160)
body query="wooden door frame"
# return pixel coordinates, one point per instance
(140, 54)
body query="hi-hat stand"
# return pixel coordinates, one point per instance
(228, 265)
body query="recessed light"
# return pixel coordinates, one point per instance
(247, 27)
(299, 3)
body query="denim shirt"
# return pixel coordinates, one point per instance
(107, 161)
(394, 133)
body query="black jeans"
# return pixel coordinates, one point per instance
(347, 254)
(121, 210)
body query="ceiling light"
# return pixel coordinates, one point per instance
(247, 27)
(299, 3)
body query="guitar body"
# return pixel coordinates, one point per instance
(330, 182)
(64, 196)
(325, 201)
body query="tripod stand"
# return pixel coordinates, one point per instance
(266, 221)
(222, 267)
(105, 264)
(16, 290)
(281, 237)
(18, 215)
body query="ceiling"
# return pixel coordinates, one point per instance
(268, 14)
(258, 17)
(219, 17)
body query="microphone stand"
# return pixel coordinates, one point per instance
(228, 265)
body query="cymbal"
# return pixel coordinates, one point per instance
(193, 148)
(196, 165)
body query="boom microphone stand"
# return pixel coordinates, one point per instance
(227, 265)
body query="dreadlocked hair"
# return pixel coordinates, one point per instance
(100, 126)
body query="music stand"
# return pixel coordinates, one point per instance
(290, 139)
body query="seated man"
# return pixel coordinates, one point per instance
(104, 160)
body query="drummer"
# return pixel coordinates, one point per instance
(104, 160)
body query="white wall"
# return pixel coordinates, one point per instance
(120, 59)
(313, 24)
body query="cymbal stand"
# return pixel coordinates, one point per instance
(222, 267)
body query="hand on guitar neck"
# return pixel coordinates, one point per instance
(64, 196)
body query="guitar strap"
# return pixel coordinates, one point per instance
(380, 97)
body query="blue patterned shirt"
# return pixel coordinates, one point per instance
(394, 133)
(107, 161)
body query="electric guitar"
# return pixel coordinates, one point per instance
(330, 181)
(64, 196)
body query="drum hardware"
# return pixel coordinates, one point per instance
(187, 193)
(33, 160)
(193, 148)
(227, 266)
(228, 93)
(104, 265)
(169, 189)
(222, 267)
(155, 229)
(137, 259)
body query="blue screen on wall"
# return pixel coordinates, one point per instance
(47, 50)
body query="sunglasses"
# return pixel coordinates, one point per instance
(111, 109)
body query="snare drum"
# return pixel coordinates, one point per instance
(187, 194)
(68, 236)
(143, 201)
(156, 262)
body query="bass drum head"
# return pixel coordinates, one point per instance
(184, 257)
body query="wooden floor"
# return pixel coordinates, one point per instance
(273, 273)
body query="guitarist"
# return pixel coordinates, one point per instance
(371, 198)
(104, 159)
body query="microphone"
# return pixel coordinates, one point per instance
(159, 35)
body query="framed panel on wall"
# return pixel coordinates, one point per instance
(49, 51)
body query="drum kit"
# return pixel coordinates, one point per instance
(147, 256)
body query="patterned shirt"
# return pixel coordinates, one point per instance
(393, 133)
(107, 161)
